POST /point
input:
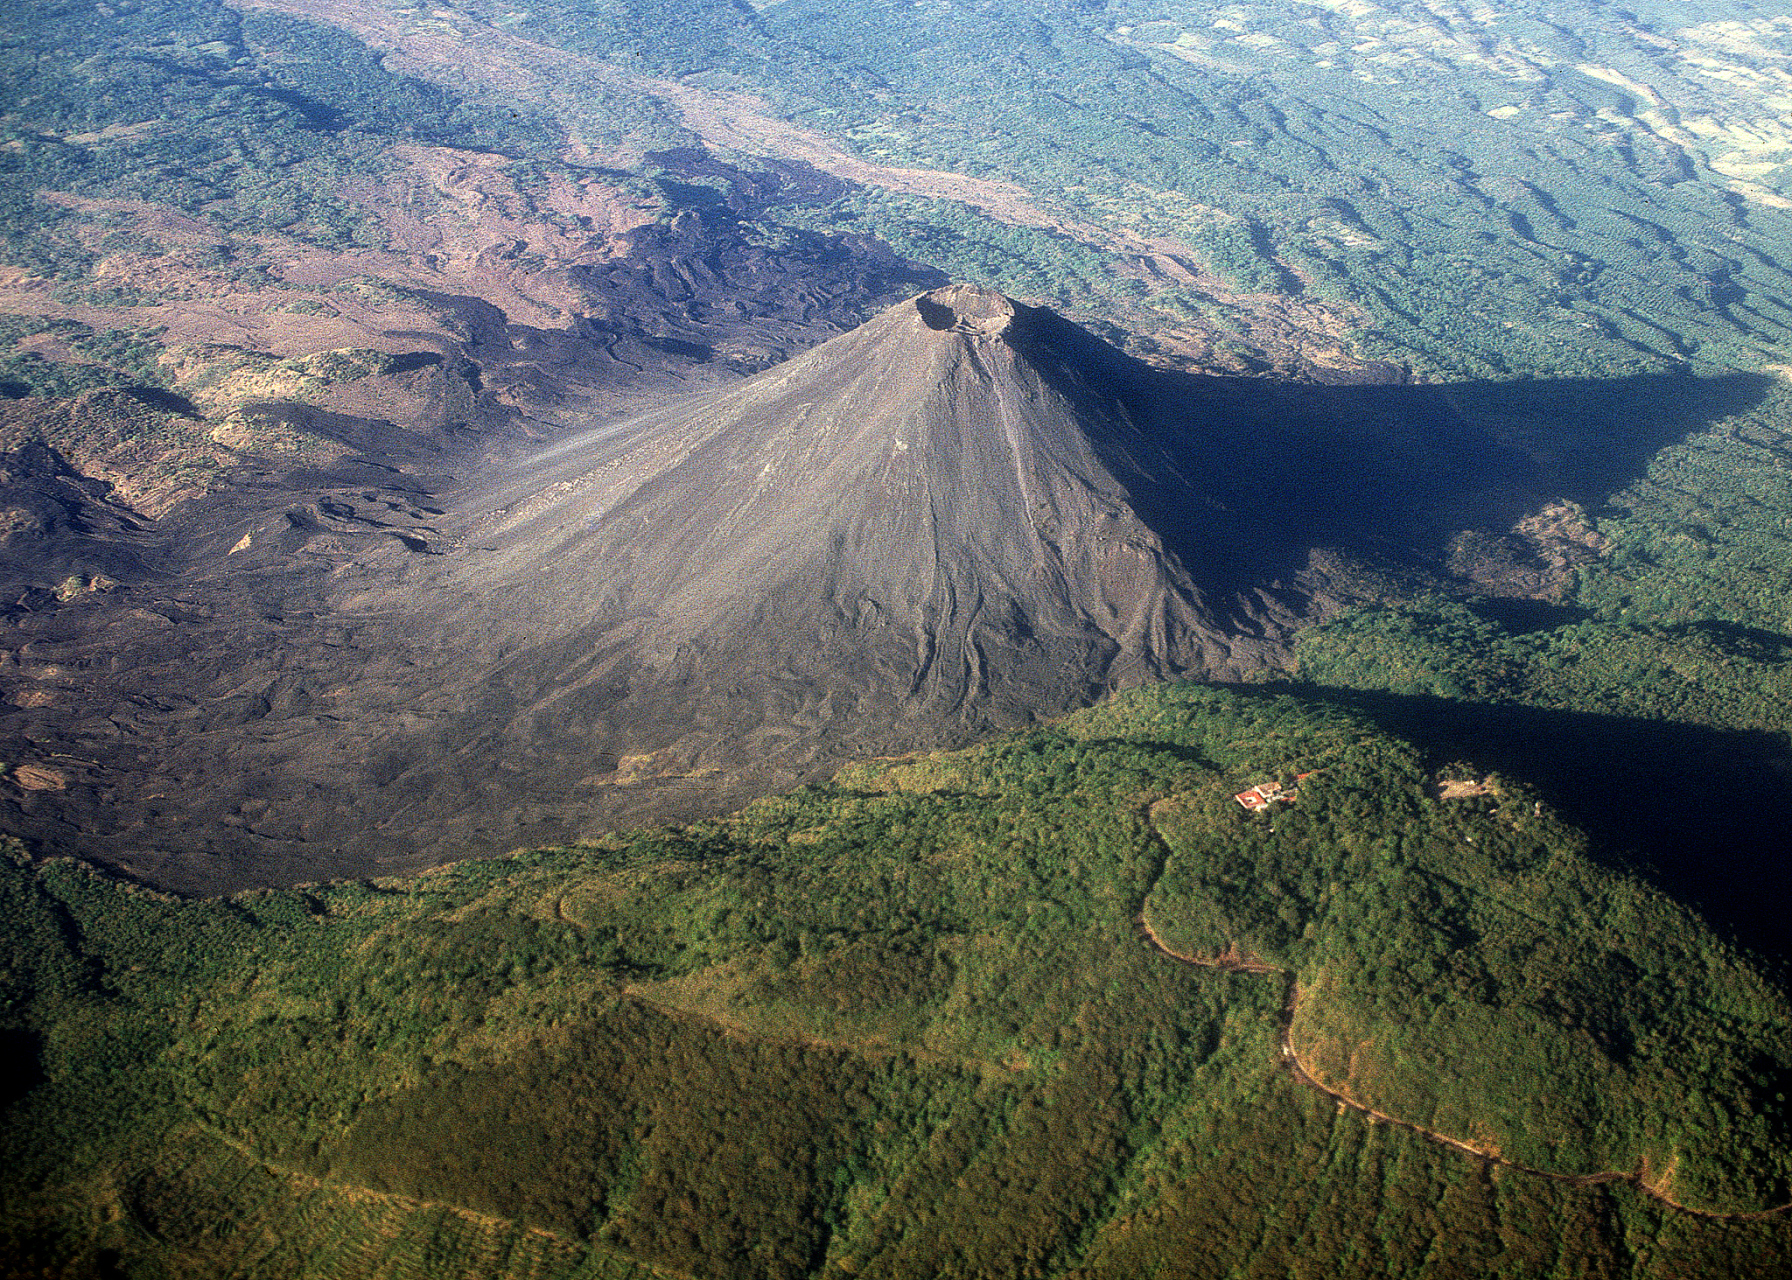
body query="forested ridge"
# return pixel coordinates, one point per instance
(907, 1023)
(1528, 896)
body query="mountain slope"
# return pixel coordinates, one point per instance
(915, 1024)
(936, 516)
(964, 515)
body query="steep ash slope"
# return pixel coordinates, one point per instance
(933, 522)
(961, 516)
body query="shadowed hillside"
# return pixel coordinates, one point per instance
(1055, 1006)
(1698, 810)
(961, 516)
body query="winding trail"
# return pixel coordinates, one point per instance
(1232, 960)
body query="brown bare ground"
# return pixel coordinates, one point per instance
(454, 222)
(451, 48)
(34, 777)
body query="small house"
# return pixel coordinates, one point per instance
(1263, 795)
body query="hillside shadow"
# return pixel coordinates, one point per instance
(1250, 475)
(1702, 813)
(1402, 470)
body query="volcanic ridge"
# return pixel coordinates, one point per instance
(964, 515)
(937, 518)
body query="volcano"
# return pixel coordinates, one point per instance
(965, 515)
(947, 520)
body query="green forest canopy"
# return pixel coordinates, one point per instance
(908, 1024)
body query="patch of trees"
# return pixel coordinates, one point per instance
(906, 1024)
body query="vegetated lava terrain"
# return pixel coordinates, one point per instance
(963, 515)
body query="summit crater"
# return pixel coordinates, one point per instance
(966, 514)
(966, 308)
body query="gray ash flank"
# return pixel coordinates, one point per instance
(963, 308)
(964, 515)
(920, 531)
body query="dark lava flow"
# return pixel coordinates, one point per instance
(963, 515)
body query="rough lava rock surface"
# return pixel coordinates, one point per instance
(964, 514)
(925, 527)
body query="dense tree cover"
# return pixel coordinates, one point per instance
(908, 1024)
(1660, 673)
(1503, 213)
(1702, 534)
(1705, 672)
(249, 120)
(1492, 206)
